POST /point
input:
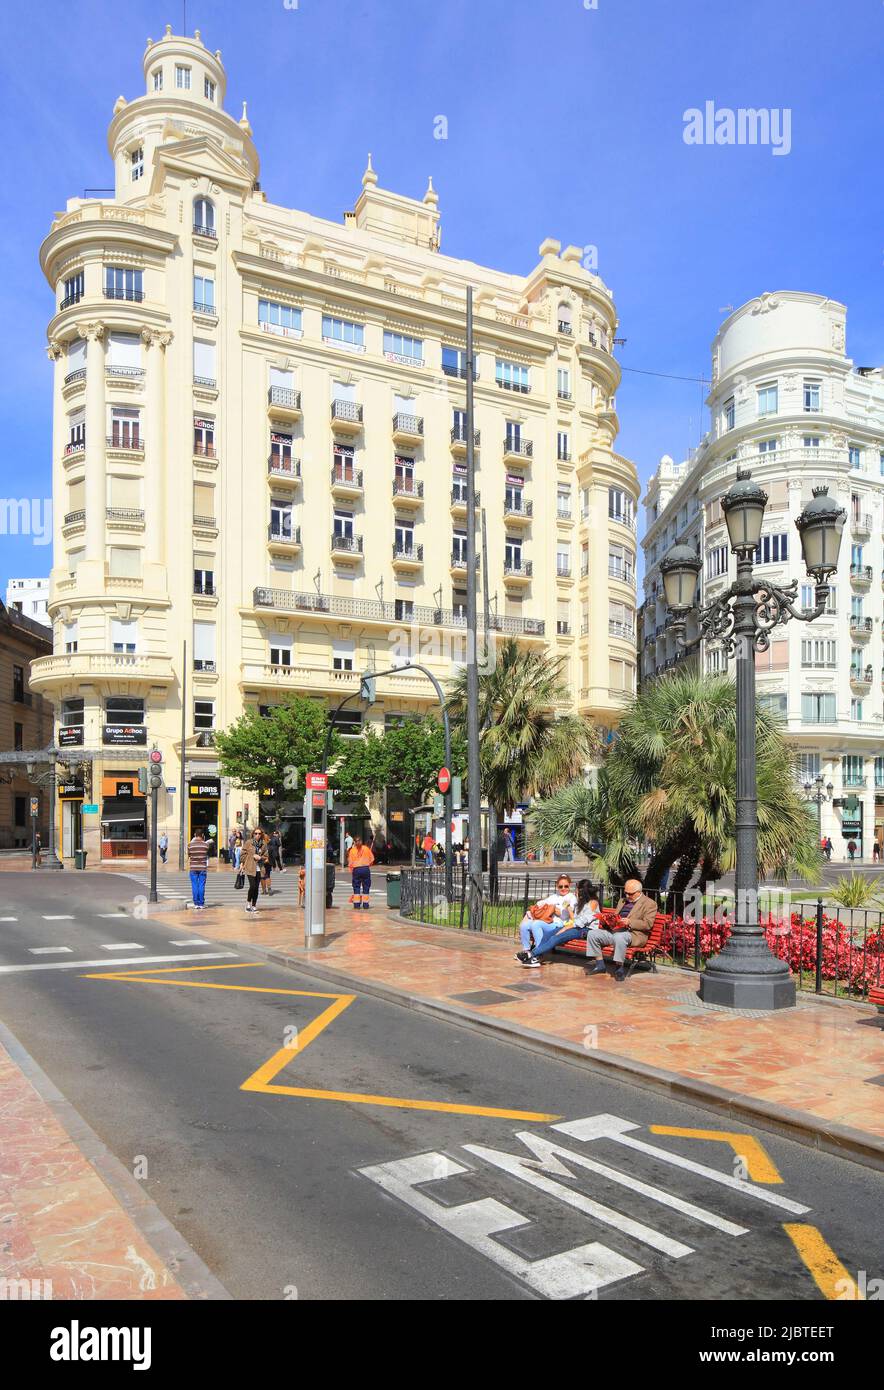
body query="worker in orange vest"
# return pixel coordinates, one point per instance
(359, 862)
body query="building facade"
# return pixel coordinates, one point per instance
(25, 726)
(31, 597)
(260, 441)
(787, 403)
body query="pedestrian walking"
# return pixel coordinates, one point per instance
(428, 844)
(509, 846)
(827, 848)
(359, 862)
(163, 846)
(198, 857)
(851, 849)
(38, 849)
(876, 851)
(252, 865)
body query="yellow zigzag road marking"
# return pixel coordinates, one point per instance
(759, 1166)
(262, 1079)
(829, 1274)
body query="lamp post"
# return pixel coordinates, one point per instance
(746, 974)
(819, 796)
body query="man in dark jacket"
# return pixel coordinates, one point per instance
(636, 912)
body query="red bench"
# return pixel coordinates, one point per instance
(647, 953)
(876, 996)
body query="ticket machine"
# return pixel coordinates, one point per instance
(315, 858)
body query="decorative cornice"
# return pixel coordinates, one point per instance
(91, 331)
(156, 337)
(54, 349)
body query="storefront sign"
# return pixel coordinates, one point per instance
(206, 786)
(125, 789)
(71, 789)
(70, 735)
(124, 735)
(89, 808)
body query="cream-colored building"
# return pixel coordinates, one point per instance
(259, 451)
(790, 405)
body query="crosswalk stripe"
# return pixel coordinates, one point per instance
(196, 941)
(58, 917)
(49, 950)
(123, 946)
(8, 919)
(129, 960)
(114, 916)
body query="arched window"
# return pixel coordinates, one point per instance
(204, 216)
(564, 318)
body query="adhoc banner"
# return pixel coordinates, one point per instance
(124, 735)
(70, 735)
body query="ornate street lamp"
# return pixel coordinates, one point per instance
(818, 797)
(746, 975)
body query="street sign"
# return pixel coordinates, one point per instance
(443, 781)
(317, 781)
(90, 809)
(438, 806)
(35, 805)
(456, 794)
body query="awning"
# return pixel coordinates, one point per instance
(123, 808)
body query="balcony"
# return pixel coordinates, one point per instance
(346, 549)
(861, 523)
(134, 296)
(861, 576)
(408, 492)
(205, 523)
(284, 403)
(459, 441)
(328, 680)
(125, 518)
(70, 300)
(623, 520)
(119, 371)
(386, 614)
(860, 627)
(408, 429)
(200, 306)
(623, 573)
(517, 513)
(205, 666)
(624, 630)
(205, 451)
(517, 450)
(346, 482)
(458, 505)
(75, 449)
(77, 375)
(73, 522)
(459, 561)
(346, 417)
(205, 590)
(853, 779)
(48, 672)
(205, 738)
(200, 229)
(284, 540)
(518, 572)
(861, 677)
(563, 571)
(460, 373)
(131, 446)
(565, 328)
(520, 387)
(205, 383)
(283, 472)
(407, 556)
(563, 395)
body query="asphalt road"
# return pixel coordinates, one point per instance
(286, 1194)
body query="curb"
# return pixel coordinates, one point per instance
(840, 1140)
(182, 1261)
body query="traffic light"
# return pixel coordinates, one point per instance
(368, 689)
(155, 760)
(142, 781)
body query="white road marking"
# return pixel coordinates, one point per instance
(106, 964)
(113, 916)
(123, 946)
(570, 1274)
(8, 919)
(192, 941)
(49, 950)
(612, 1127)
(61, 917)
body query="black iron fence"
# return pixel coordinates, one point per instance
(832, 950)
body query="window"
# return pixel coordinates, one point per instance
(203, 504)
(123, 709)
(716, 662)
(69, 637)
(203, 646)
(855, 456)
(125, 428)
(343, 654)
(812, 392)
(348, 723)
(124, 637)
(563, 501)
(584, 559)
(73, 712)
(209, 89)
(459, 546)
(879, 772)
(856, 607)
(512, 552)
(403, 537)
(817, 651)
(775, 704)
(767, 446)
(563, 384)
(817, 709)
(281, 651)
(856, 662)
(514, 495)
(621, 619)
(18, 684)
(511, 376)
(158, 79)
(204, 294)
(204, 368)
(124, 354)
(124, 562)
(182, 78)
(767, 398)
(852, 769)
(811, 441)
(204, 216)
(343, 332)
(203, 576)
(73, 289)
(621, 507)
(772, 550)
(203, 715)
(343, 524)
(856, 709)
(403, 474)
(74, 558)
(120, 283)
(403, 610)
(136, 164)
(281, 319)
(280, 451)
(344, 463)
(621, 563)
(563, 560)
(281, 520)
(563, 447)
(399, 347)
(76, 431)
(454, 363)
(513, 437)
(809, 766)
(203, 436)
(728, 414)
(716, 561)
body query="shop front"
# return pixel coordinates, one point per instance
(70, 818)
(123, 817)
(204, 810)
(852, 826)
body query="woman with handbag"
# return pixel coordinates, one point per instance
(252, 866)
(548, 915)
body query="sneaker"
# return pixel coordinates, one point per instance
(531, 963)
(521, 957)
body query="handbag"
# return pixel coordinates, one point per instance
(542, 912)
(240, 880)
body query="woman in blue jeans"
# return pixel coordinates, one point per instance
(586, 916)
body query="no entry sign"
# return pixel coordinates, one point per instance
(443, 781)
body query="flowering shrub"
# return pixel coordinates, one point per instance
(847, 957)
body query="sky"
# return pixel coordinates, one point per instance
(564, 118)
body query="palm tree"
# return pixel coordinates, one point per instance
(671, 778)
(527, 748)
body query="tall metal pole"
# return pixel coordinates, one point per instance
(489, 650)
(152, 897)
(474, 798)
(182, 790)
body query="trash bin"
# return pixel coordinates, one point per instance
(329, 884)
(80, 858)
(394, 890)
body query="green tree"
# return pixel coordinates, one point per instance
(260, 751)
(407, 756)
(670, 778)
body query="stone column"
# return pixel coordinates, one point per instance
(96, 427)
(154, 453)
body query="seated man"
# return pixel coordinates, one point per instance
(546, 917)
(636, 913)
(586, 917)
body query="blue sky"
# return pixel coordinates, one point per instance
(562, 121)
